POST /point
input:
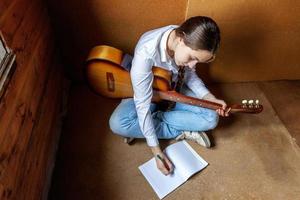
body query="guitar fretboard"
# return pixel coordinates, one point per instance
(177, 97)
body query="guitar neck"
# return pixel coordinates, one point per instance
(177, 97)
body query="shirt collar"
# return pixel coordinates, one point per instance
(163, 46)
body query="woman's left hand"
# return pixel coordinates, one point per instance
(222, 111)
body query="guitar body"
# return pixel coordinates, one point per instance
(109, 80)
(107, 77)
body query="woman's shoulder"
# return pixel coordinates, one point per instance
(149, 41)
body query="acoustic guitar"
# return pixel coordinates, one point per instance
(107, 77)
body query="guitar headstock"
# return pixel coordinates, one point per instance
(247, 106)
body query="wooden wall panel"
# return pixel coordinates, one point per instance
(30, 110)
(32, 177)
(19, 93)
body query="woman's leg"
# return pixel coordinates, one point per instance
(191, 118)
(124, 122)
(168, 124)
(189, 122)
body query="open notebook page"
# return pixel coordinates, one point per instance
(160, 183)
(187, 160)
(184, 160)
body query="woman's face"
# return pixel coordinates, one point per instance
(185, 56)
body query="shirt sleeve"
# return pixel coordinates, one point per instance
(195, 83)
(142, 79)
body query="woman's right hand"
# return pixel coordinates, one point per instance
(164, 165)
(162, 161)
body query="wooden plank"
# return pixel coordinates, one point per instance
(13, 165)
(5, 107)
(25, 29)
(20, 132)
(30, 181)
(4, 5)
(42, 141)
(29, 112)
(13, 105)
(12, 17)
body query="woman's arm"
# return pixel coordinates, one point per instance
(142, 79)
(195, 83)
(197, 86)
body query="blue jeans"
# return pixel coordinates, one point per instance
(169, 124)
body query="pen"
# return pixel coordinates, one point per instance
(163, 161)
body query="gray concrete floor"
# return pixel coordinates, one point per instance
(253, 157)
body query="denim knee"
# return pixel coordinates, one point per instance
(120, 124)
(115, 124)
(213, 119)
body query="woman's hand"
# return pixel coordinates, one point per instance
(222, 111)
(162, 161)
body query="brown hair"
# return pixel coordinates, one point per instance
(200, 32)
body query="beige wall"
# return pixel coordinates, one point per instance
(260, 39)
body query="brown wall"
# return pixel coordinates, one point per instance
(82, 24)
(31, 105)
(260, 40)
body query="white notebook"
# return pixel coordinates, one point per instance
(186, 161)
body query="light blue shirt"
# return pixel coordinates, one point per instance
(151, 50)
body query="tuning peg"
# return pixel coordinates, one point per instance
(256, 103)
(250, 103)
(244, 102)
